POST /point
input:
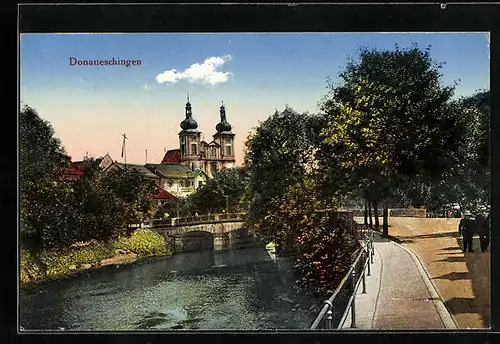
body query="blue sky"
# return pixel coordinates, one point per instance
(90, 107)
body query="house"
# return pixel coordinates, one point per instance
(105, 161)
(162, 196)
(147, 173)
(178, 180)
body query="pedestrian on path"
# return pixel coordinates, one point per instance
(466, 228)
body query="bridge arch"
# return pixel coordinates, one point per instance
(206, 236)
(193, 241)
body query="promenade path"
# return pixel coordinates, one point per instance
(398, 293)
(422, 280)
(462, 279)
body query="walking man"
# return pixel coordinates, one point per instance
(484, 234)
(466, 228)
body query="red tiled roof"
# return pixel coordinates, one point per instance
(163, 194)
(172, 156)
(71, 173)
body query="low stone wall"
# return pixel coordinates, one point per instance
(396, 212)
(408, 212)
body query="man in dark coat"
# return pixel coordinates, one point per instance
(484, 234)
(466, 228)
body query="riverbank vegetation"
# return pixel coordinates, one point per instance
(67, 261)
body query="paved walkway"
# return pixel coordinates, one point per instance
(399, 293)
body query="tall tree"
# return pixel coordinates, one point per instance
(279, 156)
(41, 154)
(389, 121)
(227, 188)
(467, 180)
(43, 198)
(56, 213)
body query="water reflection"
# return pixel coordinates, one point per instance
(234, 289)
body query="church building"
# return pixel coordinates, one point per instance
(195, 153)
(183, 170)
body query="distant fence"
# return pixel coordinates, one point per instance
(194, 220)
(396, 212)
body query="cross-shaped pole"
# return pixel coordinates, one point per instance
(124, 151)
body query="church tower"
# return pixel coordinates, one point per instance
(189, 140)
(225, 139)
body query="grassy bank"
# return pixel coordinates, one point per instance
(65, 262)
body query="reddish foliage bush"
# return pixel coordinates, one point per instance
(324, 253)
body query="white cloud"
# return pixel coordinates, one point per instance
(205, 73)
(146, 87)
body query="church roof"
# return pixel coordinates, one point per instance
(172, 156)
(223, 127)
(189, 124)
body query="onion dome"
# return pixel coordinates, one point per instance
(189, 123)
(223, 125)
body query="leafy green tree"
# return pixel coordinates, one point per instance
(41, 154)
(56, 213)
(279, 154)
(44, 200)
(133, 189)
(388, 122)
(467, 180)
(211, 197)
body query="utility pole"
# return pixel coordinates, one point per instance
(124, 151)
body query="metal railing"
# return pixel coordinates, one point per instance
(193, 220)
(336, 308)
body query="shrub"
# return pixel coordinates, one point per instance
(143, 242)
(324, 254)
(61, 262)
(28, 270)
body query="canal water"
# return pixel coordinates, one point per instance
(246, 289)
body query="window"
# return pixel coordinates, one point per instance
(170, 183)
(183, 145)
(229, 150)
(193, 149)
(213, 153)
(192, 183)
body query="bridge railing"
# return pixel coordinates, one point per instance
(336, 308)
(193, 220)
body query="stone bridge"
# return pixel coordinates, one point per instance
(209, 232)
